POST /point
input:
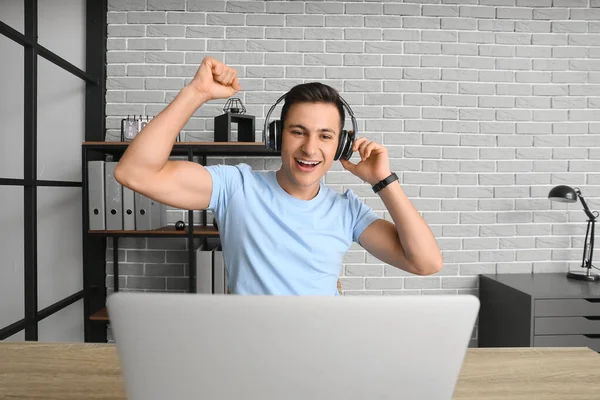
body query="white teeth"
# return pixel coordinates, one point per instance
(308, 162)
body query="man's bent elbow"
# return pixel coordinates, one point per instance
(126, 177)
(120, 174)
(428, 267)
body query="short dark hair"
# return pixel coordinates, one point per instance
(312, 92)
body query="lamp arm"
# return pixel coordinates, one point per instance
(586, 209)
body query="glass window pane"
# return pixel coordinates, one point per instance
(12, 264)
(61, 29)
(12, 13)
(17, 337)
(11, 108)
(60, 260)
(61, 125)
(65, 325)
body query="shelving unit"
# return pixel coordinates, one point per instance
(95, 241)
(165, 231)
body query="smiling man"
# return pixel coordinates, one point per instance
(283, 232)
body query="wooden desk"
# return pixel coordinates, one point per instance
(91, 371)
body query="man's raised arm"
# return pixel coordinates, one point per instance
(145, 166)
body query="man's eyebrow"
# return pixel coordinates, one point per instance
(304, 128)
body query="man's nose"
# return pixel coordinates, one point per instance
(310, 145)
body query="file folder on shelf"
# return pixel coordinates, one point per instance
(211, 272)
(128, 209)
(142, 212)
(219, 272)
(149, 214)
(114, 198)
(204, 270)
(158, 214)
(96, 195)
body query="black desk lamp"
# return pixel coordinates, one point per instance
(567, 194)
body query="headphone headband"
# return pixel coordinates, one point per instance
(266, 127)
(351, 113)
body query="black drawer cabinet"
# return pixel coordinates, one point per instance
(538, 310)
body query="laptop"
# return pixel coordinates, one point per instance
(230, 347)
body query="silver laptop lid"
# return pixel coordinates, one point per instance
(226, 347)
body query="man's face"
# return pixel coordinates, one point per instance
(309, 141)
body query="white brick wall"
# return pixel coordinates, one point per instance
(484, 106)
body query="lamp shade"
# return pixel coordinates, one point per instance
(563, 193)
(234, 106)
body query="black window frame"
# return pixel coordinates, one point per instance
(95, 79)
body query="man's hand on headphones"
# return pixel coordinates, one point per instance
(374, 164)
(215, 80)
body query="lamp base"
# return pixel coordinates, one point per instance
(583, 276)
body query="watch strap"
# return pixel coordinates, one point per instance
(384, 182)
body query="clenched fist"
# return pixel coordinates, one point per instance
(215, 80)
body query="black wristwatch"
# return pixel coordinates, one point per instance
(384, 182)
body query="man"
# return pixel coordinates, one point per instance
(282, 232)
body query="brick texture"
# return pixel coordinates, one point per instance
(485, 105)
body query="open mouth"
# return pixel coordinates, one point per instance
(307, 165)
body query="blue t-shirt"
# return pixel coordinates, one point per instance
(276, 244)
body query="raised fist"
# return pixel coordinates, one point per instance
(215, 80)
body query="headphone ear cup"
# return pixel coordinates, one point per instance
(340, 148)
(341, 145)
(278, 135)
(274, 135)
(347, 152)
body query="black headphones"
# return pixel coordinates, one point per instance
(272, 132)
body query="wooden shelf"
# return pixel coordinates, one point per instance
(100, 315)
(197, 148)
(166, 231)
